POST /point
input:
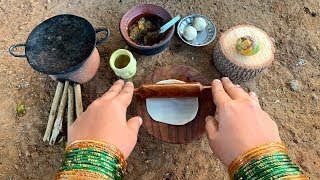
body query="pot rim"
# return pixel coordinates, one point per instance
(124, 29)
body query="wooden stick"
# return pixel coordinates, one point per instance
(70, 115)
(53, 111)
(58, 123)
(78, 98)
(171, 90)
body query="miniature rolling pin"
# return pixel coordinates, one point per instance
(170, 90)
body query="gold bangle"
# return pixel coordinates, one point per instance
(78, 173)
(256, 152)
(295, 177)
(100, 145)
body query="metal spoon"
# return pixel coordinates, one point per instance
(166, 26)
(154, 37)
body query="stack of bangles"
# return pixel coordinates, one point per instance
(92, 159)
(269, 161)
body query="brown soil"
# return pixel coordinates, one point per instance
(23, 154)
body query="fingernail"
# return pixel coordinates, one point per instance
(207, 118)
(253, 93)
(238, 86)
(120, 80)
(225, 78)
(129, 82)
(140, 121)
(217, 80)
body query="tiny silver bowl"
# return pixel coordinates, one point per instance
(204, 37)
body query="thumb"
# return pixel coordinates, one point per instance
(211, 127)
(135, 123)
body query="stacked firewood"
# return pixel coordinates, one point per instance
(67, 95)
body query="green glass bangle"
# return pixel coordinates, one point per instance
(84, 160)
(287, 174)
(254, 171)
(90, 150)
(100, 160)
(93, 160)
(276, 171)
(101, 165)
(265, 159)
(258, 164)
(267, 163)
(97, 166)
(93, 153)
(272, 170)
(278, 164)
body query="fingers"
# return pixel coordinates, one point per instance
(211, 127)
(114, 90)
(254, 96)
(134, 124)
(234, 91)
(219, 95)
(122, 92)
(125, 96)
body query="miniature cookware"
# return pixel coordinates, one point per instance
(64, 47)
(146, 10)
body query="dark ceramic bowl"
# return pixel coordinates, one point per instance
(145, 10)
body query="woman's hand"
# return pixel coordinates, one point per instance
(105, 119)
(239, 124)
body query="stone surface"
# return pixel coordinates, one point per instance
(294, 85)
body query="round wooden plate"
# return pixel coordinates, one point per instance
(171, 133)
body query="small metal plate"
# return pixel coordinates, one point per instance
(203, 37)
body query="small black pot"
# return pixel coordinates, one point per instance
(63, 47)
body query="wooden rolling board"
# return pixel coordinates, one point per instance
(171, 133)
(237, 66)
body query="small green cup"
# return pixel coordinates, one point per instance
(123, 63)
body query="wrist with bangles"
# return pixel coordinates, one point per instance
(90, 158)
(268, 161)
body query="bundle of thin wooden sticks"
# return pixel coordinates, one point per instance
(67, 93)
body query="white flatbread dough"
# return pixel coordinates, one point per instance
(174, 111)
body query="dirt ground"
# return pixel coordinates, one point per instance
(293, 27)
